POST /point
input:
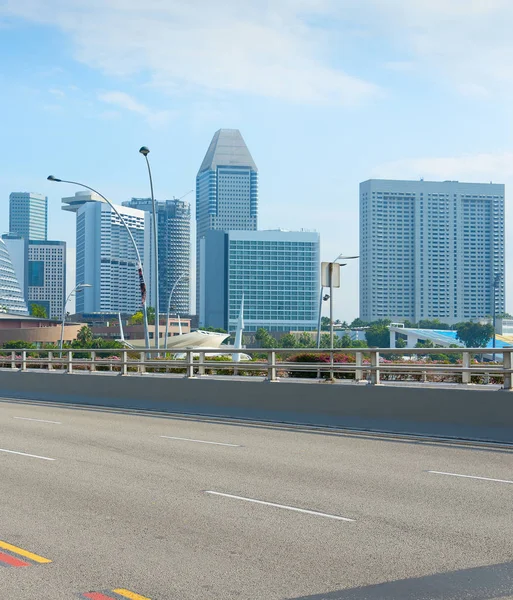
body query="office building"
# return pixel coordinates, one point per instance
(226, 190)
(106, 259)
(174, 249)
(47, 276)
(277, 273)
(28, 215)
(431, 250)
(73, 203)
(11, 296)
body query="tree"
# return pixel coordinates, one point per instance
(265, 339)
(137, 318)
(432, 324)
(344, 342)
(325, 340)
(85, 337)
(18, 345)
(325, 323)
(306, 340)
(378, 334)
(39, 311)
(400, 343)
(215, 329)
(358, 323)
(289, 341)
(474, 335)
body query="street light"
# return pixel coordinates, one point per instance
(331, 269)
(142, 284)
(80, 286)
(496, 284)
(145, 151)
(182, 276)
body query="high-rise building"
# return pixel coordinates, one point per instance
(17, 246)
(226, 190)
(174, 244)
(73, 203)
(431, 250)
(277, 273)
(47, 276)
(106, 259)
(28, 215)
(11, 296)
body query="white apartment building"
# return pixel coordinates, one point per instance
(431, 250)
(47, 276)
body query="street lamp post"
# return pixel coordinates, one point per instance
(140, 272)
(496, 283)
(80, 286)
(182, 276)
(145, 151)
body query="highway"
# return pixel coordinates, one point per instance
(136, 505)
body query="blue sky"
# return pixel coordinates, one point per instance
(327, 93)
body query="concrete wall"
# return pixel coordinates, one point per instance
(471, 414)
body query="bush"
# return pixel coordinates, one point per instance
(322, 359)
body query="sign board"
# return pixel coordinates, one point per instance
(325, 274)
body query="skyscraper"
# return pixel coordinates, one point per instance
(277, 273)
(47, 276)
(106, 258)
(28, 215)
(430, 250)
(174, 244)
(11, 296)
(226, 190)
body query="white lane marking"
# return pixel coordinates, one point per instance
(24, 454)
(301, 510)
(38, 420)
(169, 437)
(471, 477)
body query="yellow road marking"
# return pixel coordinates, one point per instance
(25, 553)
(129, 594)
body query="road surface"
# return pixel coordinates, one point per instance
(136, 505)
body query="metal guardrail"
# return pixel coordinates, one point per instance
(369, 363)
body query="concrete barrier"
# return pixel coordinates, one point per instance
(456, 413)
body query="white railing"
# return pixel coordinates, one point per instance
(359, 364)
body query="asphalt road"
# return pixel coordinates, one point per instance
(263, 513)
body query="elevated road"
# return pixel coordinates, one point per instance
(133, 505)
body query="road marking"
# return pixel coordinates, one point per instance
(471, 477)
(301, 510)
(129, 594)
(24, 454)
(12, 561)
(38, 420)
(169, 437)
(24, 553)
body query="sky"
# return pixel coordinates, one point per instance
(327, 93)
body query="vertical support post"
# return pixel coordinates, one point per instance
(271, 366)
(331, 307)
(190, 364)
(201, 364)
(374, 374)
(506, 366)
(319, 318)
(70, 361)
(13, 359)
(142, 366)
(50, 361)
(358, 375)
(465, 375)
(332, 361)
(93, 361)
(124, 364)
(23, 360)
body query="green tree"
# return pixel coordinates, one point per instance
(400, 343)
(85, 337)
(289, 340)
(18, 345)
(306, 340)
(344, 342)
(358, 323)
(474, 335)
(264, 339)
(432, 324)
(215, 329)
(137, 318)
(325, 323)
(38, 310)
(378, 334)
(325, 340)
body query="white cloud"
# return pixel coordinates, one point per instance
(57, 92)
(246, 46)
(155, 118)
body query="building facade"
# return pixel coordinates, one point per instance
(11, 296)
(226, 190)
(28, 215)
(276, 272)
(106, 259)
(174, 251)
(17, 246)
(431, 250)
(47, 276)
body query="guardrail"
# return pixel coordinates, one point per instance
(366, 365)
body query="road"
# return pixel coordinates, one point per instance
(168, 507)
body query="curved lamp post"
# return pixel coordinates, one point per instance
(139, 263)
(145, 151)
(80, 286)
(182, 276)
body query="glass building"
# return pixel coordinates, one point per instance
(47, 276)
(174, 249)
(226, 190)
(277, 273)
(431, 250)
(11, 296)
(28, 215)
